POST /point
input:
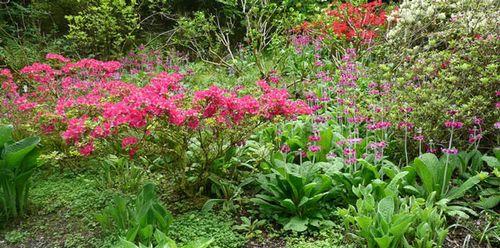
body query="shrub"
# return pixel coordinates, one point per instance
(86, 105)
(103, 28)
(347, 25)
(442, 55)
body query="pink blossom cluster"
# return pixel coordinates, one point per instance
(86, 100)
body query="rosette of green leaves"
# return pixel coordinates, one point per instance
(293, 195)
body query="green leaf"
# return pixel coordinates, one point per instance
(384, 242)
(297, 224)
(202, 243)
(364, 222)
(5, 135)
(488, 202)
(460, 191)
(147, 232)
(15, 153)
(209, 205)
(126, 244)
(491, 161)
(425, 166)
(288, 204)
(386, 208)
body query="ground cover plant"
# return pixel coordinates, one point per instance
(254, 123)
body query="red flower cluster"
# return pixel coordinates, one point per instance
(357, 22)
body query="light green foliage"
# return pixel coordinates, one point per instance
(293, 195)
(103, 28)
(65, 207)
(394, 222)
(163, 241)
(15, 236)
(139, 220)
(331, 237)
(443, 55)
(198, 35)
(199, 225)
(18, 161)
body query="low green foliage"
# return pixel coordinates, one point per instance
(122, 174)
(15, 236)
(394, 222)
(436, 178)
(137, 221)
(251, 227)
(293, 195)
(18, 161)
(198, 225)
(163, 241)
(332, 237)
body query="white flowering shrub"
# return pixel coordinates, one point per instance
(417, 21)
(443, 54)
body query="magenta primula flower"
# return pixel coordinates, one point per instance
(285, 148)
(451, 151)
(453, 124)
(314, 148)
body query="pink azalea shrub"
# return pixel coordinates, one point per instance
(86, 102)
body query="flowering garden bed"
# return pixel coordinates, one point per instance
(339, 124)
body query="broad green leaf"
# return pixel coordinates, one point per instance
(126, 244)
(297, 224)
(384, 242)
(488, 202)
(209, 205)
(288, 204)
(364, 222)
(15, 153)
(386, 208)
(460, 191)
(426, 170)
(491, 161)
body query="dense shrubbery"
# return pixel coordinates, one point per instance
(443, 55)
(104, 28)
(280, 120)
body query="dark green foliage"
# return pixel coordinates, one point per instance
(18, 161)
(293, 195)
(104, 28)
